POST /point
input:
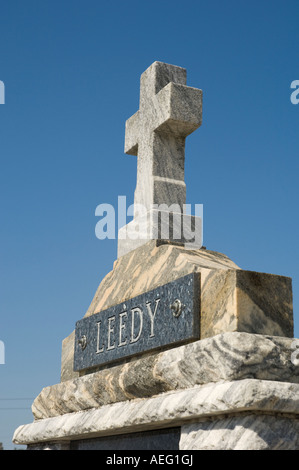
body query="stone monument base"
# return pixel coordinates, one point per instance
(224, 416)
(249, 402)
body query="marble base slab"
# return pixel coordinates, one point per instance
(225, 357)
(183, 408)
(243, 432)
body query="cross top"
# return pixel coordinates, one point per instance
(168, 112)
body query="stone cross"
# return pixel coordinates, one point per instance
(168, 112)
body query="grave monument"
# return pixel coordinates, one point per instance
(180, 348)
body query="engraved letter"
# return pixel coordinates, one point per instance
(152, 315)
(110, 330)
(140, 313)
(122, 326)
(98, 339)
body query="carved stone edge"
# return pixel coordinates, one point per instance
(227, 356)
(167, 409)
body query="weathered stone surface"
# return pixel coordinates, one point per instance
(151, 266)
(231, 299)
(244, 432)
(67, 358)
(236, 300)
(229, 356)
(141, 270)
(167, 410)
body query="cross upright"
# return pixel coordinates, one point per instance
(168, 112)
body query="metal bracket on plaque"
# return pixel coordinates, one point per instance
(83, 342)
(177, 308)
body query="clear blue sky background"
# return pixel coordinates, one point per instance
(71, 71)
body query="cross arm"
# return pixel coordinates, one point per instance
(179, 109)
(131, 135)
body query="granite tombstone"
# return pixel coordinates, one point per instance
(212, 367)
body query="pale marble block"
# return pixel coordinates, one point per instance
(242, 432)
(225, 357)
(175, 408)
(238, 300)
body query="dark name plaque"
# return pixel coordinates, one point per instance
(161, 439)
(163, 317)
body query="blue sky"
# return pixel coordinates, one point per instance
(71, 71)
